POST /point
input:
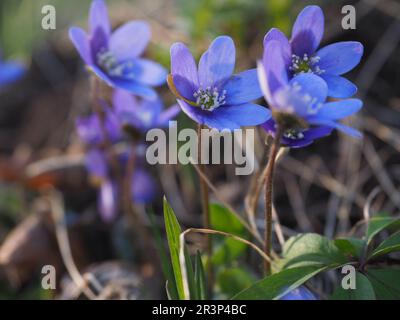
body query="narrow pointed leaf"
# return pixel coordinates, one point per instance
(200, 278)
(165, 262)
(173, 230)
(377, 224)
(391, 244)
(279, 284)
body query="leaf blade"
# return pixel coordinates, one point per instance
(173, 231)
(363, 291)
(389, 245)
(279, 284)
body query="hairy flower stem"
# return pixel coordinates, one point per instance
(269, 178)
(206, 213)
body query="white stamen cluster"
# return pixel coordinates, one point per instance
(305, 64)
(107, 61)
(293, 134)
(209, 98)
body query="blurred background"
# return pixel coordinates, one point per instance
(322, 188)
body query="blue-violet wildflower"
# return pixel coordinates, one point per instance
(115, 57)
(299, 104)
(210, 94)
(142, 114)
(301, 53)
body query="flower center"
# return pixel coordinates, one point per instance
(293, 134)
(109, 63)
(210, 98)
(305, 64)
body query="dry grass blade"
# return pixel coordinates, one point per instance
(381, 174)
(370, 198)
(57, 210)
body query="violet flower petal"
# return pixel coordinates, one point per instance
(339, 87)
(130, 40)
(340, 57)
(98, 17)
(81, 42)
(243, 87)
(217, 63)
(184, 70)
(307, 31)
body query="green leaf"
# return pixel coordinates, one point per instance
(386, 283)
(391, 244)
(363, 291)
(190, 276)
(377, 224)
(279, 284)
(173, 230)
(351, 247)
(222, 219)
(200, 278)
(232, 281)
(226, 250)
(310, 249)
(165, 263)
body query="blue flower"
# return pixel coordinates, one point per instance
(91, 131)
(210, 94)
(301, 53)
(143, 115)
(115, 56)
(10, 72)
(298, 138)
(143, 186)
(300, 293)
(299, 103)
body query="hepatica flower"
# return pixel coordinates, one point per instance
(10, 71)
(143, 187)
(299, 104)
(91, 131)
(298, 138)
(115, 57)
(209, 93)
(142, 114)
(301, 53)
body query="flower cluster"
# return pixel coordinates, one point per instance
(304, 87)
(94, 132)
(114, 58)
(297, 79)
